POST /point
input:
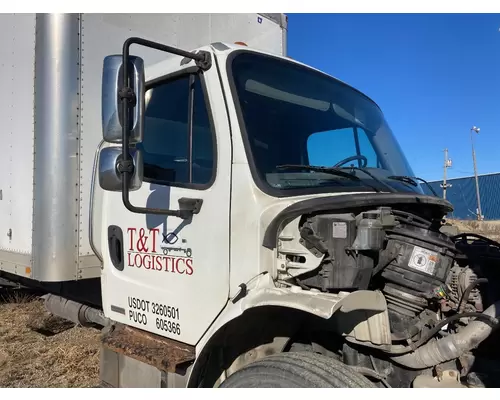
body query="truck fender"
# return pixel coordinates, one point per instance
(361, 314)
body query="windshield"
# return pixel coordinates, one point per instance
(293, 115)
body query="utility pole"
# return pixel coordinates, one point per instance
(479, 212)
(447, 164)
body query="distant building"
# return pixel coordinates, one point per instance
(462, 195)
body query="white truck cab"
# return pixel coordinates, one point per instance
(230, 217)
(201, 225)
(251, 112)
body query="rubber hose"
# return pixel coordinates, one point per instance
(452, 346)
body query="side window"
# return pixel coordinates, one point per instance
(171, 155)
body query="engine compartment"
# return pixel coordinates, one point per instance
(441, 289)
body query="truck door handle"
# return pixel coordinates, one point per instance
(115, 243)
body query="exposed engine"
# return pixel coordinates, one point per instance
(435, 284)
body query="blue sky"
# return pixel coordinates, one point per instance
(434, 76)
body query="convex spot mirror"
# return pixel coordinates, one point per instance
(110, 178)
(112, 114)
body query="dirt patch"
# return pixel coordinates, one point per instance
(40, 350)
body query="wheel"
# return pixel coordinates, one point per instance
(296, 370)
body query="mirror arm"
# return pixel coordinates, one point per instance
(202, 59)
(187, 207)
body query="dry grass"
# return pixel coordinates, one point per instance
(40, 350)
(490, 229)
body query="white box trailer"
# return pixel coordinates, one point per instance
(50, 74)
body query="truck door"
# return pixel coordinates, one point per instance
(163, 274)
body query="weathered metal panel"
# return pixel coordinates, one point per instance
(160, 352)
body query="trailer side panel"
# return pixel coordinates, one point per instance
(17, 54)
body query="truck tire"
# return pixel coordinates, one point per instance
(296, 370)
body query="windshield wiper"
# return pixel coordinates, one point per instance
(333, 171)
(391, 189)
(327, 170)
(412, 180)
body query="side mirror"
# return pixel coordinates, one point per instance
(110, 178)
(112, 115)
(123, 93)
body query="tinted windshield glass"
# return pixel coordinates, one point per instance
(294, 115)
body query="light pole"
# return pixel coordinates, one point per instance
(479, 212)
(447, 164)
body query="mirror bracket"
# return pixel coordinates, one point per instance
(193, 206)
(128, 94)
(125, 166)
(204, 63)
(187, 208)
